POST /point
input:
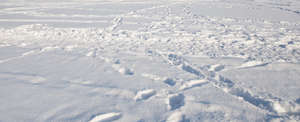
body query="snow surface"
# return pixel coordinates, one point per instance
(149, 61)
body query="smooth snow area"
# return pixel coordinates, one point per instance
(149, 60)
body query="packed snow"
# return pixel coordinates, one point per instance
(149, 60)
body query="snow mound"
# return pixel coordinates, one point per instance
(145, 94)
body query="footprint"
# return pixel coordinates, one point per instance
(216, 67)
(108, 117)
(176, 117)
(298, 101)
(166, 80)
(123, 70)
(191, 69)
(145, 94)
(169, 81)
(193, 83)
(175, 101)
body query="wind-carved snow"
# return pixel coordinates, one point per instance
(108, 117)
(252, 64)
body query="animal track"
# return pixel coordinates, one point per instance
(272, 104)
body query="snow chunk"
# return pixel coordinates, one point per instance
(123, 70)
(278, 108)
(176, 117)
(193, 83)
(106, 117)
(142, 95)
